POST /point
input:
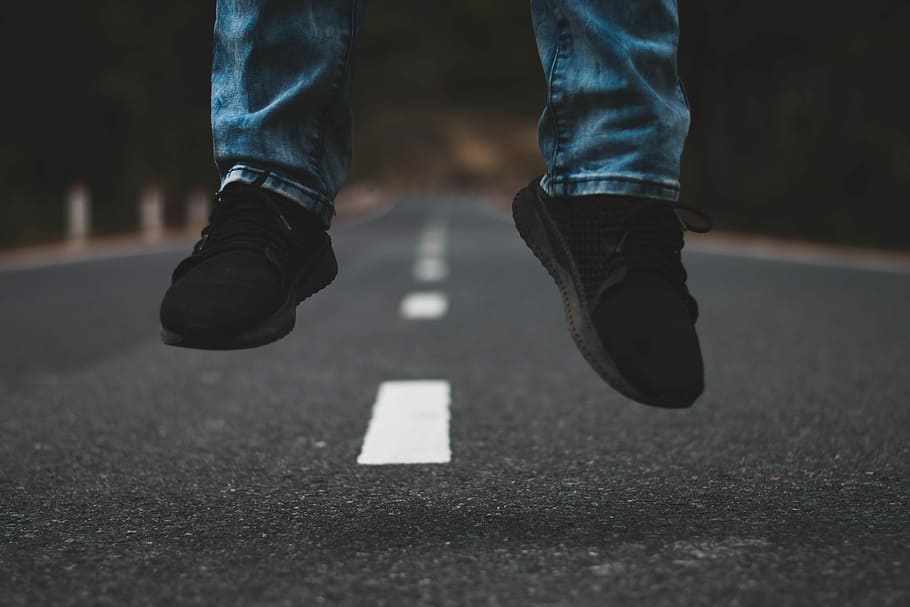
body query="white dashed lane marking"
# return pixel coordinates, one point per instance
(424, 305)
(430, 265)
(430, 269)
(410, 424)
(410, 421)
(432, 241)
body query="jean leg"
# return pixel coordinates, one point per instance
(616, 117)
(281, 87)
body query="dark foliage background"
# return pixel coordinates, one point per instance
(800, 111)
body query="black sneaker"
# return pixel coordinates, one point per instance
(257, 259)
(616, 261)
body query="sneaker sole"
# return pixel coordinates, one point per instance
(546, 244)
(277, 325)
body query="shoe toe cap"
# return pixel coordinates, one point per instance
(213, 306)
(646, 328)
(212, 309)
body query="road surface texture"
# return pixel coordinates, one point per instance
(132, 473)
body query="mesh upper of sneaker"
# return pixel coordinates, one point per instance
(246, 218)
(610, 236)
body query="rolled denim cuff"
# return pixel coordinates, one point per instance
(621, 185)
(283, 185)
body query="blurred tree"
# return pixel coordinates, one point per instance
(799, 126)
(113, 94)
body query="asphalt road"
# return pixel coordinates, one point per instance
(136, 474)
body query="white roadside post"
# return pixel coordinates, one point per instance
(151, 214)
(78, 213)
(197, 210)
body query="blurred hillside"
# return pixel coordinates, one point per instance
(799, 127)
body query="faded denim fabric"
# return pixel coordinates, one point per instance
(615, 119)
(281, 95)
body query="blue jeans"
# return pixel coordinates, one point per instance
(615, 119)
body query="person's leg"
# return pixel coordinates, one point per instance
(281, 125)
(281, 79)
(602, 219)
(616, 116)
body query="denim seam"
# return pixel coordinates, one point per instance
(342, 74)
(665, 184)
(324, 208)
(649, 188)
(679, 81)
(551, 82)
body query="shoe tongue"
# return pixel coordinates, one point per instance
(235, 193)
(300, 219)
(601, 211)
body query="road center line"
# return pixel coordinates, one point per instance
(432, 242)
(424, 305)
(430, 265)
(430, 269)
(409, 425)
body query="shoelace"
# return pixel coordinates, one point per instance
(245, 220)
(650, 240)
